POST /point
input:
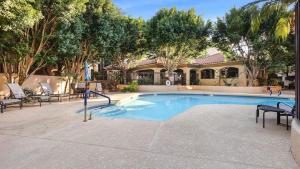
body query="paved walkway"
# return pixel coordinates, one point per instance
(208, 137)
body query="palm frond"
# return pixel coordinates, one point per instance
(283, 28)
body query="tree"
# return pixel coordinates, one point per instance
(38, 20)
(15, 16)
(174, 36)
(77, 39)
(257, 49)
(286, 22)
(119, 39)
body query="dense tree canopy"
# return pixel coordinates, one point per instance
(257, 49)
(35, 34)
(284, 25)
(175, 36)
(31, 24)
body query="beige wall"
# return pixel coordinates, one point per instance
(57, 83)
(221, 89)
(3, 88)
(240, 81)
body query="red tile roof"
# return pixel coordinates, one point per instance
(216, 58)
(146, 62)
(211, 59)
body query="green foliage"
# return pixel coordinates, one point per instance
(119, 38)
(17, 15)
(283, 8)
(259, 49)
(77, 40)
(132, 87)
(39, 33)
(69, 36)
(282, 28)
(174, 36)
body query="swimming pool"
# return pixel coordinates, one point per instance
(160, 107)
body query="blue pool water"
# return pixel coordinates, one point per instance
(160, 107)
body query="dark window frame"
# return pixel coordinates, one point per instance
(230, 72)
(208, 74)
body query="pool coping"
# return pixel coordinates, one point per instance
(137, 94)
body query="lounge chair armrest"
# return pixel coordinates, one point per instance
(279, 103)
(259, 105)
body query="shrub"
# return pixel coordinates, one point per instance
(132, 87)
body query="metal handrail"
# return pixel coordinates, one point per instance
(85, 102)
(109, 100)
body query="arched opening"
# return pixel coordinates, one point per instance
(146, 77)
(208, 74)
(230, 72)
(179, 77)
(194, 80)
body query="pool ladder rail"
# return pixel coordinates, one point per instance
(85, 103)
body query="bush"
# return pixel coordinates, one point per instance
(132, 87)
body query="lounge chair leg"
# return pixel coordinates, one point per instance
(278, 118)
(287, 122)
(257, 115)
(264, 119)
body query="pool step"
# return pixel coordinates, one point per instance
(110, 111)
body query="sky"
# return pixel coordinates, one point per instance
(208, 9)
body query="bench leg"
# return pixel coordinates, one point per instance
(2, 108)
(40, 101)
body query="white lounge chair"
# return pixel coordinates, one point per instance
(48, 91)
(4, 103)
(18, 93)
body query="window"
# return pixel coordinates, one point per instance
(208, 74)
(230, 72)
(146, 77)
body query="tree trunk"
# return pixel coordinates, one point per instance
(125, 76)
(169, 76)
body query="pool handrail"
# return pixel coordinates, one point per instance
(109, 100)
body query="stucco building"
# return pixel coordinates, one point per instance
(212, 70)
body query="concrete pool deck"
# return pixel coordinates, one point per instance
(209, 137)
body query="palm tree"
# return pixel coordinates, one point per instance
(285, 24)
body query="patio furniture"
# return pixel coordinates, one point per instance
(18, 93)
(98, 89)
(282, 109)
(4, 103)
(79, 89)
(48, 91)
